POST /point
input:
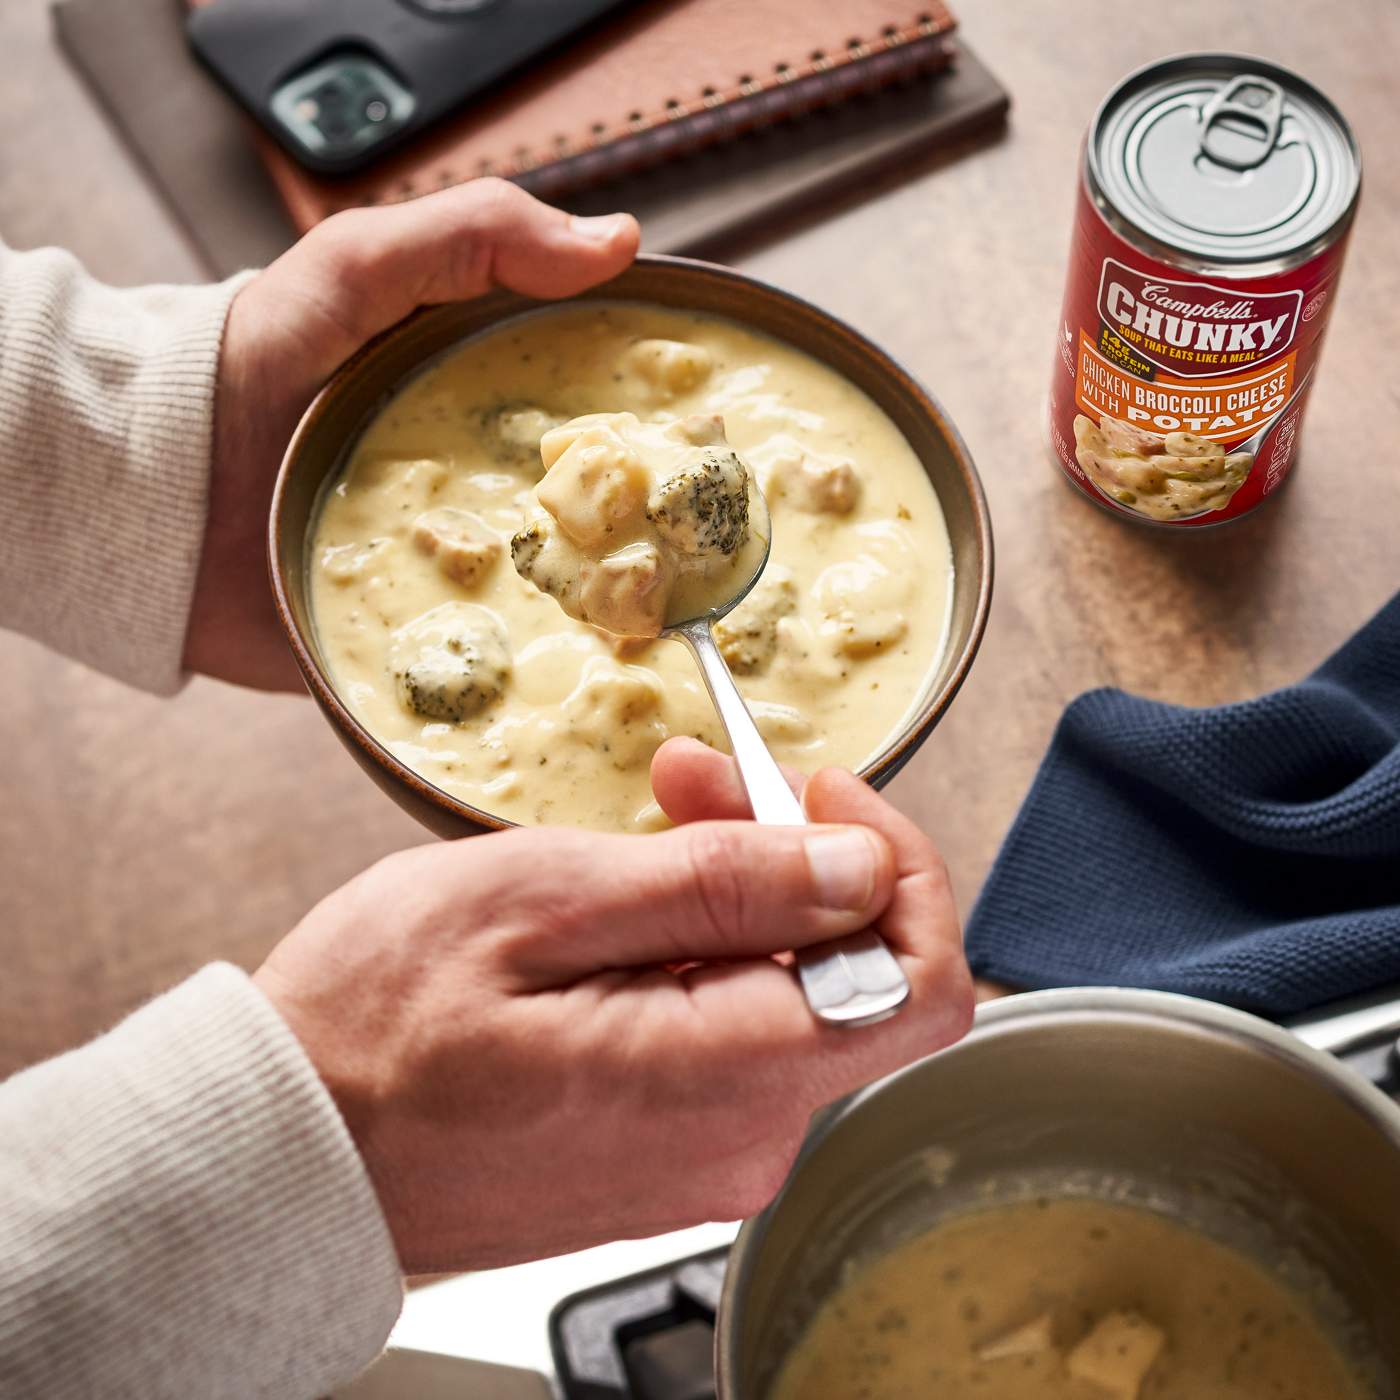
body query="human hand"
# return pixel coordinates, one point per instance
(520, 1071)
(291, 326)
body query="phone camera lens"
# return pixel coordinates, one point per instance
(329, 97)
(346, 104)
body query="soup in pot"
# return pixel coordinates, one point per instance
(473, 676)
(1066, 1300)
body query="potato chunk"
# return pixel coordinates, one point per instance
(345, 564)
(864, 604)
(748, 637)
(1032, 1338)
(464, 545)
(781, 724)
(451, 662)
(595, 487)
(669, 367)
(614, 709)
(1117, 1354)
(627, 592)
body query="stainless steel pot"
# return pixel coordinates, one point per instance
(1222, 1119)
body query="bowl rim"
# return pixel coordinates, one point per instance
(513, 304)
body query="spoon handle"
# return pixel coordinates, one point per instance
(850, 981)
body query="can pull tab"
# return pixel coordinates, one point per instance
(1251, 102)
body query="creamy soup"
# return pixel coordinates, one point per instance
(1065, 1300)
(473, 676)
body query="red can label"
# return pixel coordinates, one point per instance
(1177, 397)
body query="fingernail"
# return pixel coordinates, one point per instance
(843, 867)
(601, 229)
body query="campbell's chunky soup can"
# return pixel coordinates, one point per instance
(1214, 205)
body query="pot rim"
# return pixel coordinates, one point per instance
(504, 304)
(1004, 1014)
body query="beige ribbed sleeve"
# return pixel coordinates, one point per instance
(182, 1214)
(106, 406)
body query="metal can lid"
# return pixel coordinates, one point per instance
(1225, 158)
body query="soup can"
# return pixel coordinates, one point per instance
(1215, 199)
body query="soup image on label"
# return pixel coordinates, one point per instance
(1170, 476)
(1070, 1299)
(490, 568)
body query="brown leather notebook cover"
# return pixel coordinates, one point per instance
(666, 79)
(193, 142)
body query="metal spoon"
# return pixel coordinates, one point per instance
(850, 981)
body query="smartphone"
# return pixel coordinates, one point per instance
(340, 82)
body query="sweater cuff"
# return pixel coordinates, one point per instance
(106, 431)
(191, 1216)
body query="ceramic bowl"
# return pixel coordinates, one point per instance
(365, 383)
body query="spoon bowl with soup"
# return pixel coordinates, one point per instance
(660, 530)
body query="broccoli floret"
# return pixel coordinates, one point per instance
(704, 508)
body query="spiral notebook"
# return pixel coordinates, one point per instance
(668, 78)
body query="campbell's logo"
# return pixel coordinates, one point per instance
(1195, 329)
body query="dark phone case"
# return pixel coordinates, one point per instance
(253, 46)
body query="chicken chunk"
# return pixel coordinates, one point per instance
(465, 546)
(1117, 1354)
(818, 485)
(450, 663)
(748, 637)
(627, 592)
(1128, 437)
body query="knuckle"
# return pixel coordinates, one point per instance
(943, 985)
(339, 242)
(492, 203)
(938, 874)
(717, 874)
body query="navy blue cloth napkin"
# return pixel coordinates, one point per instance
(1248, 853)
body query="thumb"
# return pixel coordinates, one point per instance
(362, 270)
(709, 891)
